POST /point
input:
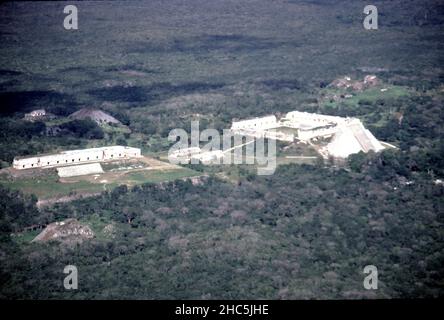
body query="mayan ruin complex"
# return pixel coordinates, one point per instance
(347, 135)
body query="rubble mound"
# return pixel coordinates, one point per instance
(356, 85)
(67, 230)
(96, 115)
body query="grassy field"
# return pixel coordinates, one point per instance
(49, 187)
(367, 96)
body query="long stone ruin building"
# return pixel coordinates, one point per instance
(76, 157)
(345, 135)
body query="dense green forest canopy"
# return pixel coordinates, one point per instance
(161, 65)
(305, 232)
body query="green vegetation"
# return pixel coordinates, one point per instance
(83, 129)
(311, 226)
(159, 176)
(49, 187)
(305, 232)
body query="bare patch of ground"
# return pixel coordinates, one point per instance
(69, 230)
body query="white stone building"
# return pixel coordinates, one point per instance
(263, 123)
(209, 157)
(75, 157)
(348, 135)
(261, 128)
(306, 120)
(35, 114)
(183, 154)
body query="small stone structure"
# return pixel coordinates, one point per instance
(35, 115)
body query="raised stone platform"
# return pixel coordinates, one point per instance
(80, 170)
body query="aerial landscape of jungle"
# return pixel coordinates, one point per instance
(147, 229)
